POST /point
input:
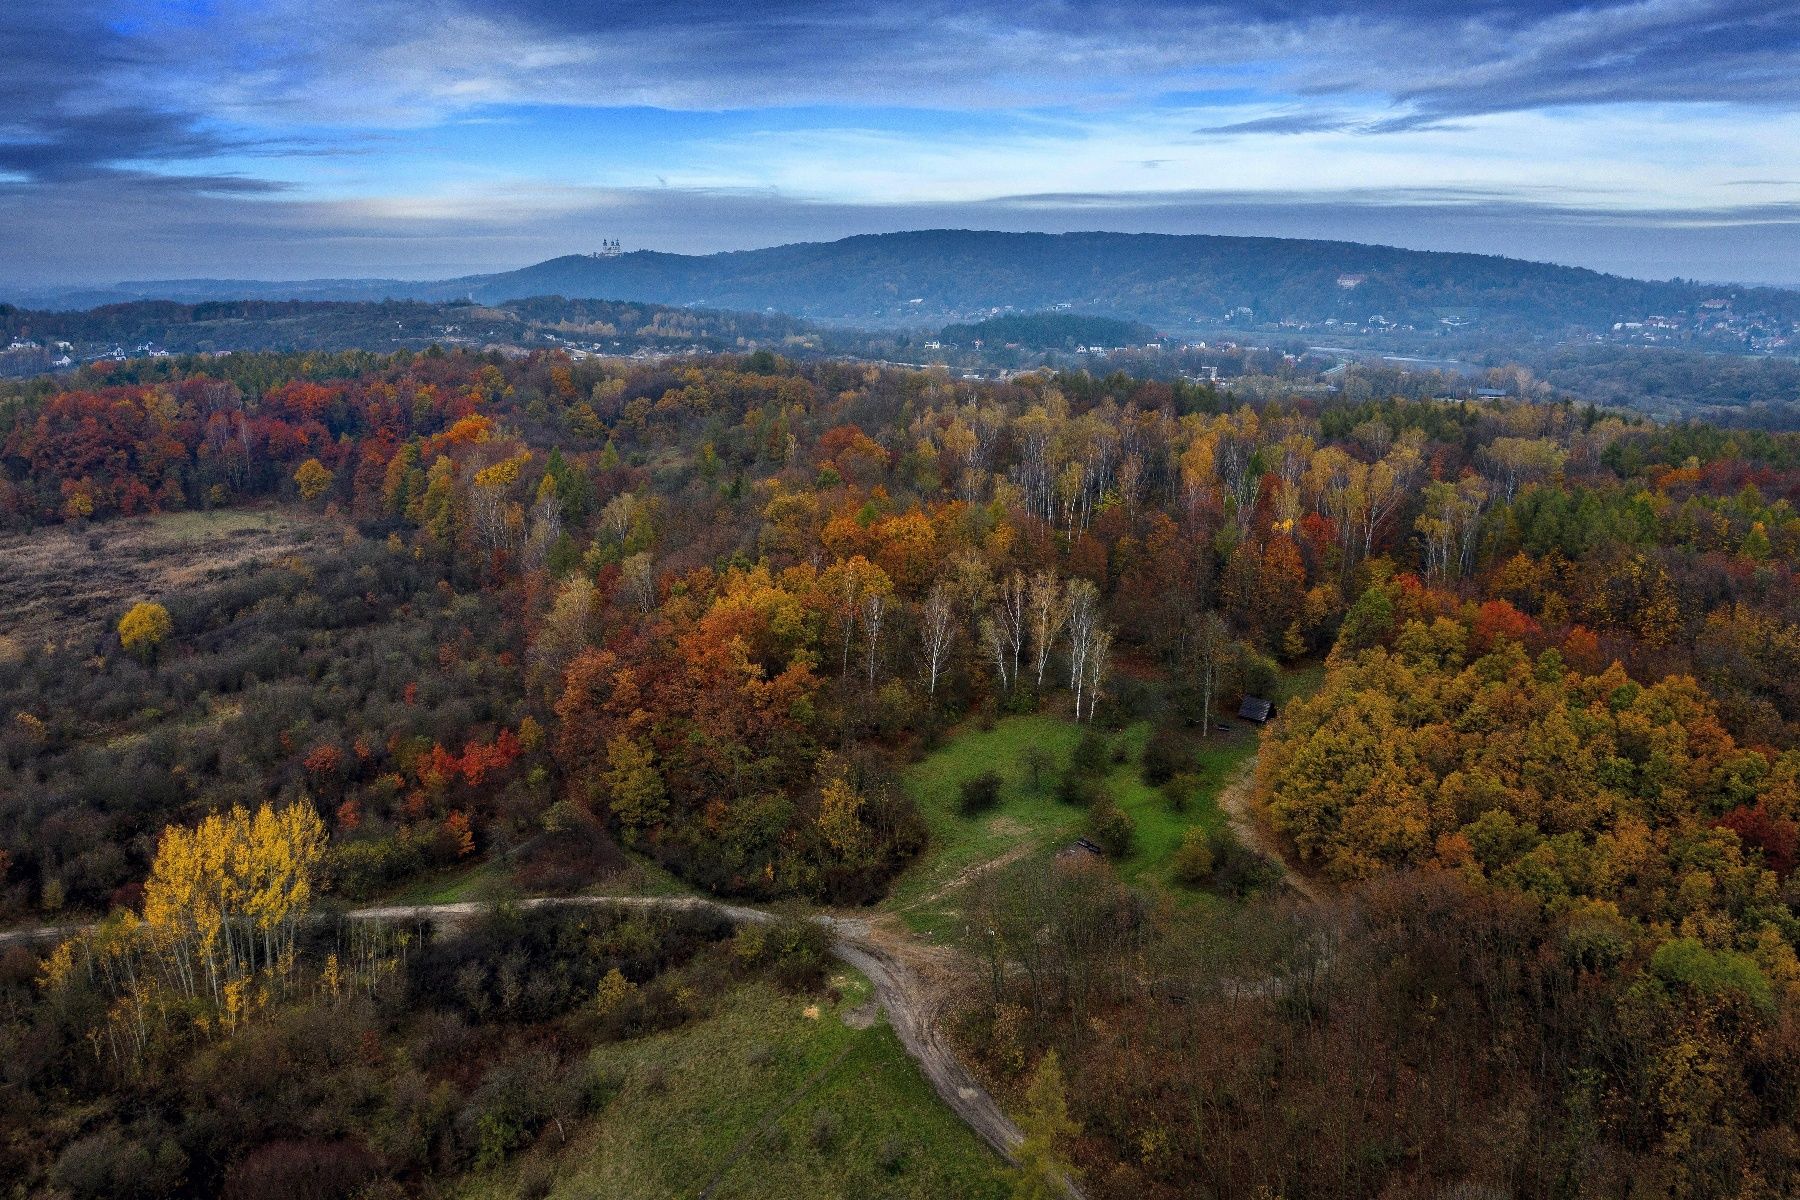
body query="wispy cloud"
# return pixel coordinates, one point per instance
(268, 132)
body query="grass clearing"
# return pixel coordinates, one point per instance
(772, 1095)
(1029, 819)
(64, 582)
(482, 881)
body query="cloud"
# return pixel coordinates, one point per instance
(1293, 122)
(289, 135)
(392, 63)
(65, 146)
(1433, 58)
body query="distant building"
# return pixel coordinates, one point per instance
(1351, 282)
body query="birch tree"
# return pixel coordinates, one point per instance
(1047, 611)
(937, 627)
(1083, 606)
(1098, 659)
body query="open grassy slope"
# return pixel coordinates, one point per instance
(1029, 819)
(773, 1095)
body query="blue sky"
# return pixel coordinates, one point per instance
(418, 138)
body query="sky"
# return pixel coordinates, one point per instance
(273, 139)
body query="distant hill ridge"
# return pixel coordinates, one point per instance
(930, 277)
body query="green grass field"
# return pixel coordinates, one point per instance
(773, 1095)
(1030, 820)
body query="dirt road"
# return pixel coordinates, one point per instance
(1236, 801)
(904, 995)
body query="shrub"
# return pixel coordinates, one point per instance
(1038, 764)
(979, 793)
(1166, 755)
(1237, 869)
(1179, 791)
(514, 1100)
(1111, 827)
(1020, 702)
(1076, 789)
(1193, 862)
(101, 1165)
(798, 952)
(890, 1156)
(1091, 753)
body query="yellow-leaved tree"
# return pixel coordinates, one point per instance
(216, 942)
(1043, 1170)
(313, 479)
(144, 627)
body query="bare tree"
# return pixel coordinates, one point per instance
(995, 640)
(640, 580)
(937, 623)
(546, 528)
(1047, 611)
(1083, 606)
(487, 511)
(874, 610)
(1009, 615)
(1098, 659)
(1211, 643)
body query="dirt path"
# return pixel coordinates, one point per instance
(1235, 799)
(970, 874)
(911, 1002)
(40, 933)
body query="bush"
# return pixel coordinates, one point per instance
(1237, 869)
(798, 951)
(106, 1164)
(979, 794)
(1038, 764)
(518, 1096)
(1166, 755)
(1076, 789)
(1193, 862)
(1111, 827)
(1179, 792)
(1020, 702)
(1091, 753)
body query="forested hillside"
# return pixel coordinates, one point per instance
(929, 275)
(697, 617)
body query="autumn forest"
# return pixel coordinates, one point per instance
(1499, 903)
